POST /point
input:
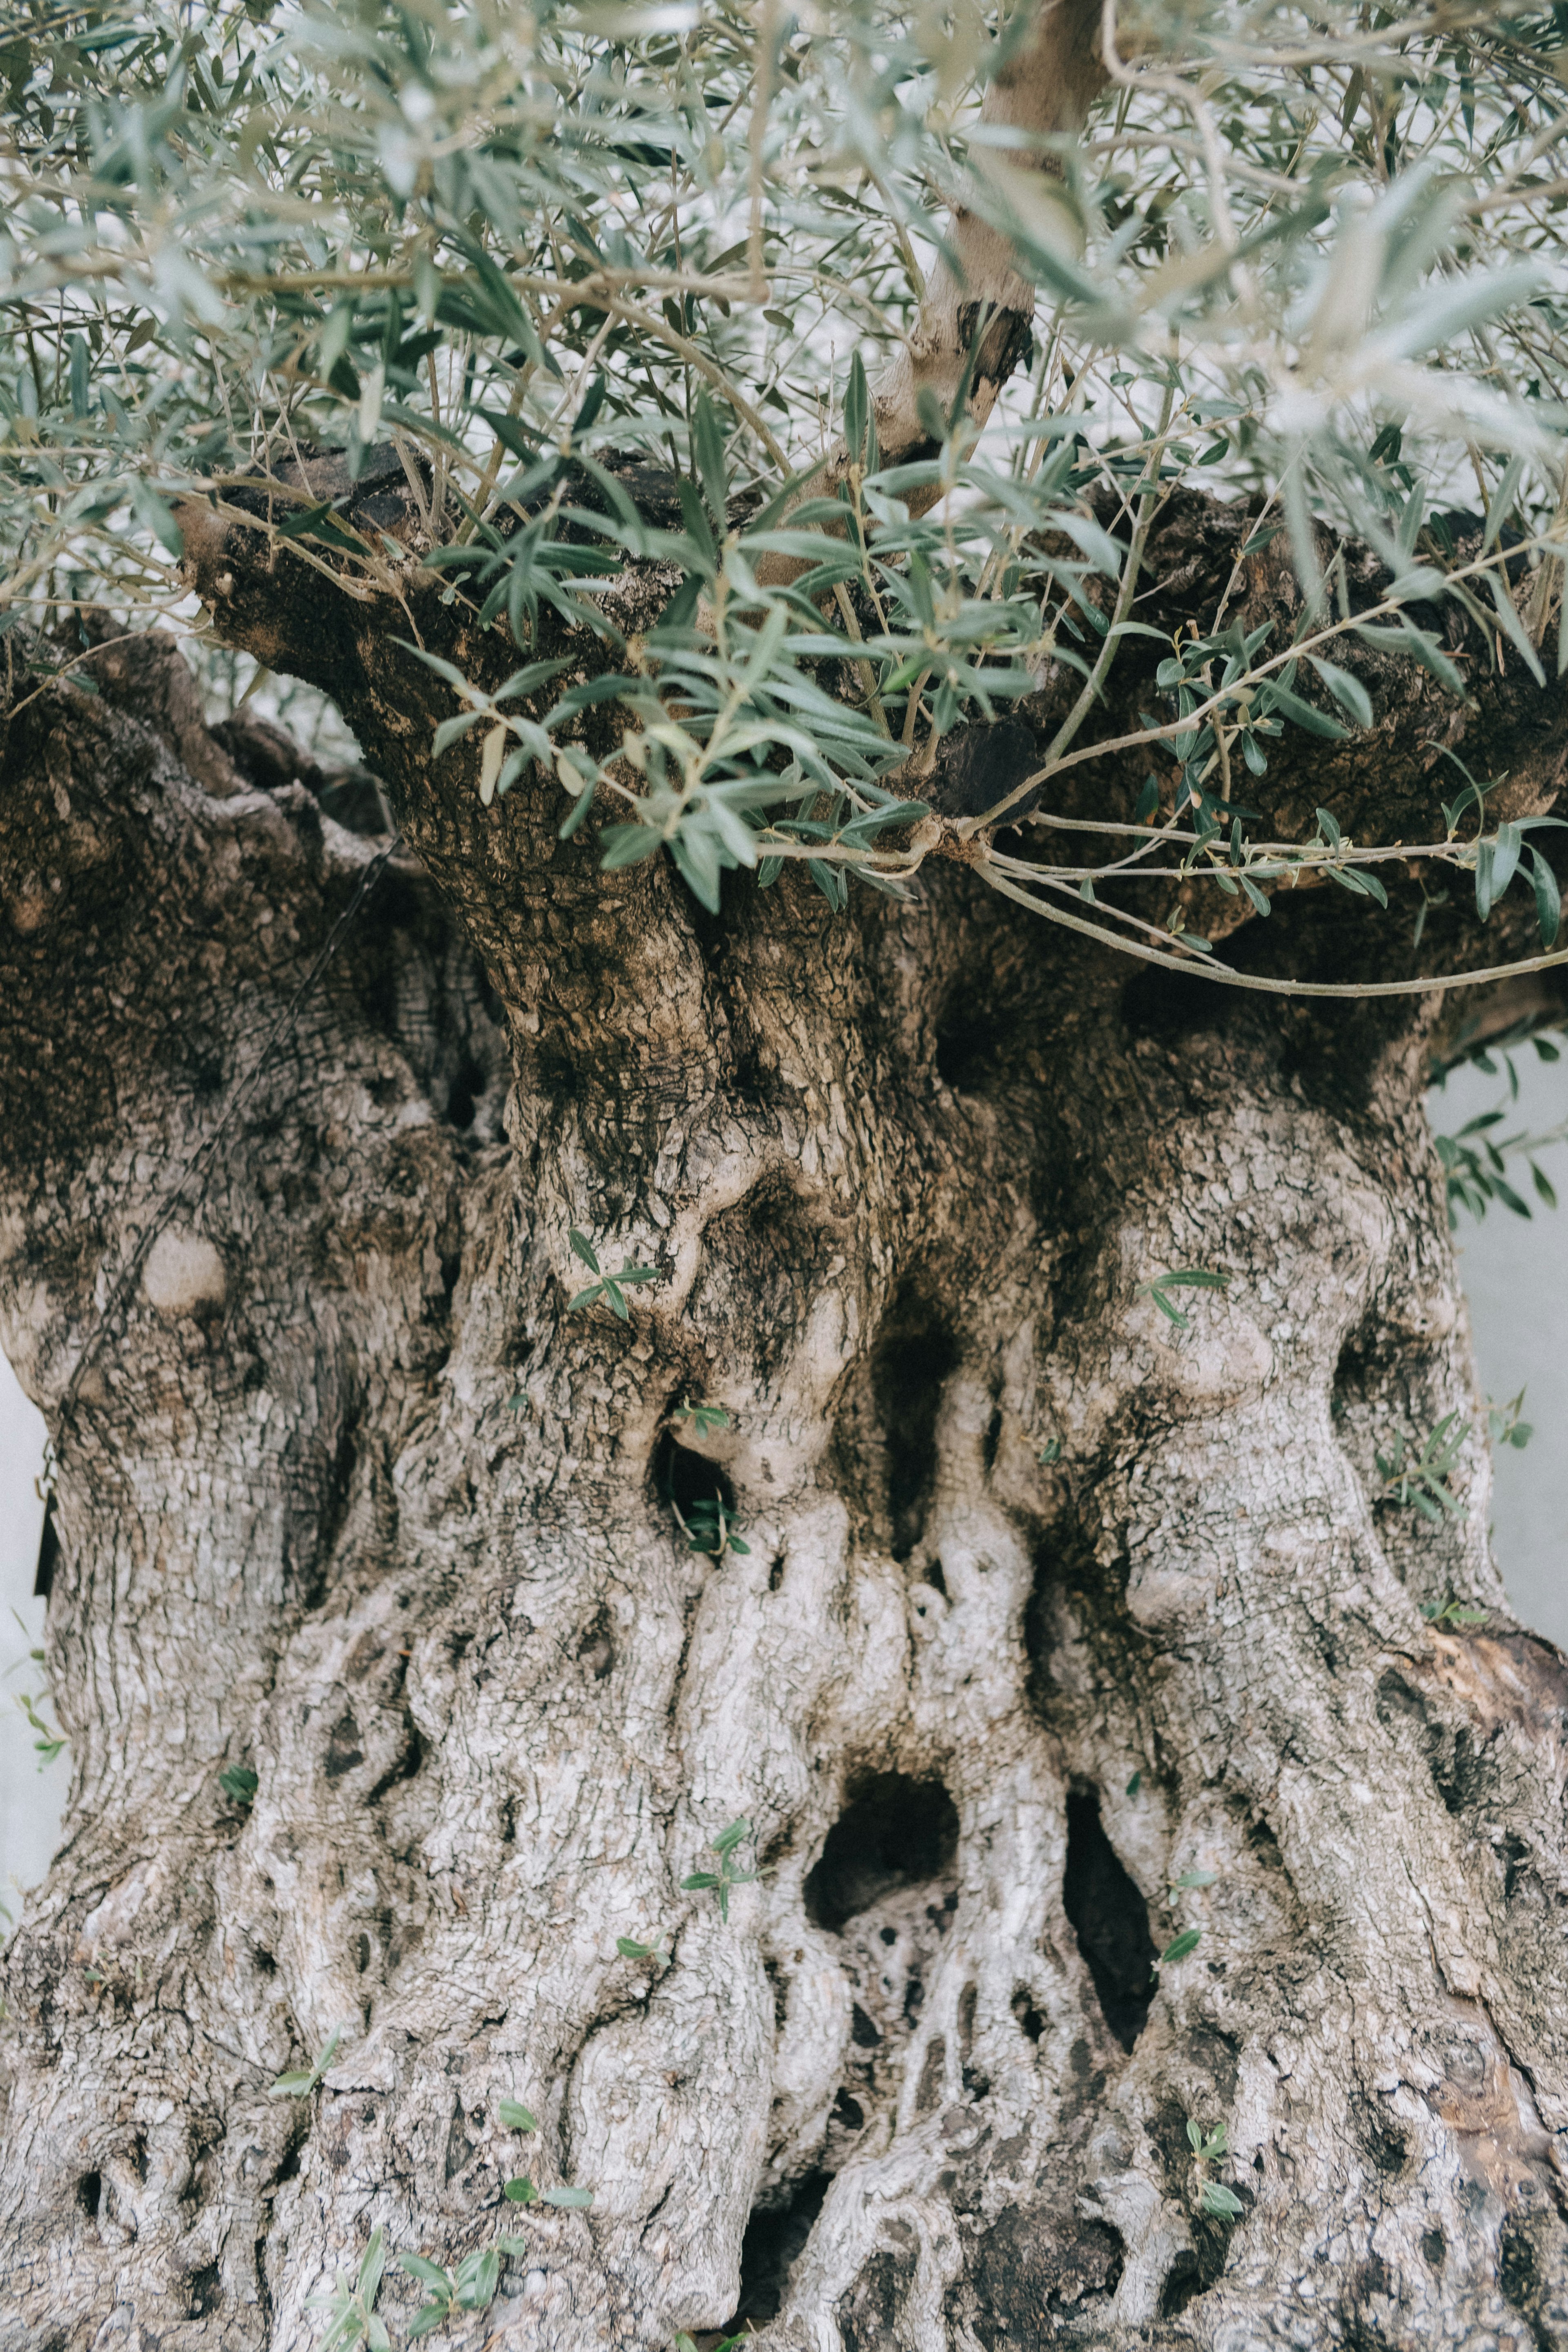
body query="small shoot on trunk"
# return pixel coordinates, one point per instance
(1208, 2147)
(350, 2305)
(300, 2084)
(1180, 1278)
(726, 1876)
(611, 1287)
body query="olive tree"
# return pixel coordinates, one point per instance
(753, 756)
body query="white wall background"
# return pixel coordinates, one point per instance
(1516, 1278)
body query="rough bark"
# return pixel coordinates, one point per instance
(1046, 1603)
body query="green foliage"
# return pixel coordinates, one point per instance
(523, 2191)
(722, 1880)
(1208, 2147)
(1181, 1946)
(630, 1949)
(49, 1742)
(1453, 1612)
(704, 1418)
(1185, 1277)
(1422, 1482)
(611, 1287)
(1505, 1426)
(709, 1527)
(471, 2287)
(532, 244)
(515, 2116)
(239, 1784)
(1476, 1158)
(350, 2307)
(300, 2085)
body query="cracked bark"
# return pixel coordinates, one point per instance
(348, 1497)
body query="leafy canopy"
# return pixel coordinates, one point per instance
(1311, 255)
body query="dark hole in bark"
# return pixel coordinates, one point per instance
(847, 2111)
(363, 1956)
(862, 2032)
(459, 2146)
(263, 1962)
(343, 1750)
(776, 1574)
(993, 1439)
(336, 1495)
(1385, 2145)
(90, 2194)
(1519, 2275)
(685, 1478)
(408, 1764)
(1433, 2248)
(894, 1832)
(935, 1578)
(1167, 1005)
(1185, 2282)
(772, 2242)
(466, 1086)
(1031, 2023)
(205, 2292)
(49, 1554)
(289, 2167)
(1110, 1920)
(966, 1052)
(977, 2081)
(908, 1370)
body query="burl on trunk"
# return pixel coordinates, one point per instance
(1154, 1927)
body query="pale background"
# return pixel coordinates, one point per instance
(1515, 1275)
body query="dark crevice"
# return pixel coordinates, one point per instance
(894, 1832)
(773, 2242)
(206, 2292)
(459, 2146)
(90, 2194)
(1110, 1920)
(1031, 2023)
(344, 1753)
(689, 1480)
(909, 1368)
(468, 1084)
(1520, 2277)
(408, 1764)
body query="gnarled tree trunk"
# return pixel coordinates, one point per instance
(1060, 1629)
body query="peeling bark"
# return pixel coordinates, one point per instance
(1046, 1603)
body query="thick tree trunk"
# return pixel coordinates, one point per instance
(1049, 1605)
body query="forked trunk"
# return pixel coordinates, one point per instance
(1059, 1635)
